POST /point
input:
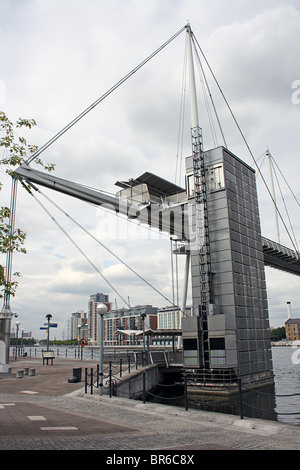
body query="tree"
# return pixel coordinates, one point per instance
(15, 151)
(278, 334)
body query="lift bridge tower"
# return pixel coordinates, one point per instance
(228, 336)
(216, 218)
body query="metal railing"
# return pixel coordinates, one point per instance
(114, 377)
(157, 356)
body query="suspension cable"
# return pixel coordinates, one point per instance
(285, 206)
(181, 120)
(78, 248)
(97, 241)
(107, 93)
(273, 160)
(210, 95)
(247, 145)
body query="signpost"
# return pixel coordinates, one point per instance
(47, 327)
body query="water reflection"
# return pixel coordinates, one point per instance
(279, 402)
(258, 403)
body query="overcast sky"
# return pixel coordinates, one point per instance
(58, 56)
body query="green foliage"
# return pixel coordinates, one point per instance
(60, 342)
(15, 150)
(25, 341)
(64, 342)
(278, 334)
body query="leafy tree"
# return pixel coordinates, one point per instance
(278, 334)
(15, 151)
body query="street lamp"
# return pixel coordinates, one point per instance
(17, 332)
(49, 316)
(143, 315)
(78, 338)
(22, 330)
(101, 310)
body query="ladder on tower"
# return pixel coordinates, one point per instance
(202, 236)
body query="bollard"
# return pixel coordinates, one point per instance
(77, 373)
(110, 380)
(98, 375)
(241, 398)
(185, 393)
(144, 387)
(76, 376)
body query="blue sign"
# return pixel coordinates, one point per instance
(52, 325)
(43, 328)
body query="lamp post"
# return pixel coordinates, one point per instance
(17, 332)
(143, 315)
(78, 338)
(49, 316)
(101, 310)
(22, 336)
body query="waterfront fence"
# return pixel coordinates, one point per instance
(121, 360)
(155, 356)
(113, 377)
(148, 388)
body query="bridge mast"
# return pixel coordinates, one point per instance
(273, 195)
(199, 245)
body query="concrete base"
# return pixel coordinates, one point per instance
(229, 389)
(5, 368)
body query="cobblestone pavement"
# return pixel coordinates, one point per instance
(69, 419)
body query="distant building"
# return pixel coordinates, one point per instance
(93, 317)
(79, 325)
(119, 325)
(123, 326)
(169, 318)
(21, 333)
(292, 329)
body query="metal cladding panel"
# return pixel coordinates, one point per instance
(237, 259)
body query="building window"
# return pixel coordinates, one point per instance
(190, 182)
(217, 351)
(216, 177)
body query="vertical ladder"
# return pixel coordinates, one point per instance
(202, 236)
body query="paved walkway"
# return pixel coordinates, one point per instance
(45, 412)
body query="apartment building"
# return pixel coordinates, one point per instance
(292, 329)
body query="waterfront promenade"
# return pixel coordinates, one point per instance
(45, 412)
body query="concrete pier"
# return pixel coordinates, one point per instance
(44, 411)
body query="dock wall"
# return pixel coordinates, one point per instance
(131, 386)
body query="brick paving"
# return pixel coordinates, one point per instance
(45, 412)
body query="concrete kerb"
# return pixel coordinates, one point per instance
(252, 426)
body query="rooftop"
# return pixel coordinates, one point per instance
(293, 320)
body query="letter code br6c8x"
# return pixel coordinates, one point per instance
(176, 459)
